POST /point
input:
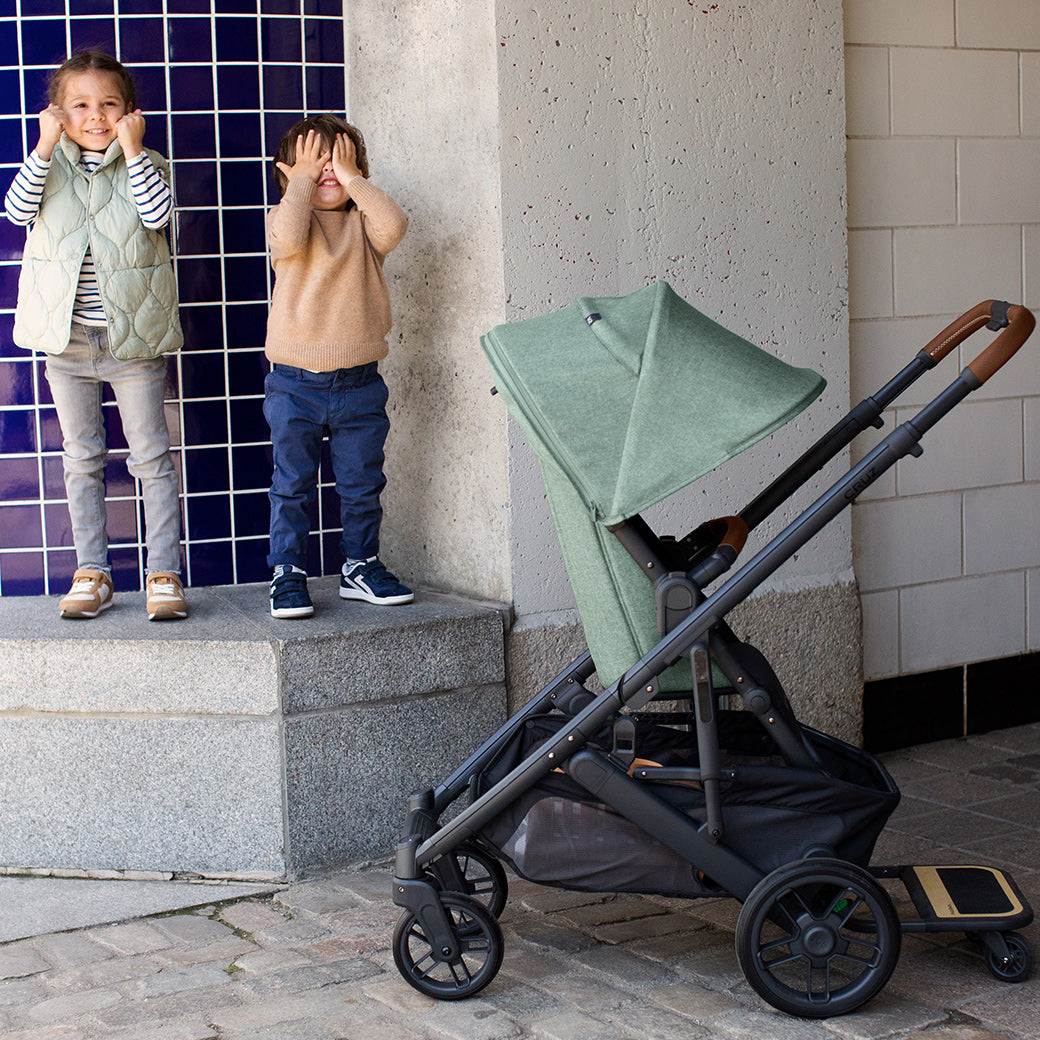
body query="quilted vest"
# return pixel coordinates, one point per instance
(138, 289)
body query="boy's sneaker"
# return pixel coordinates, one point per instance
(164, 597)
(289, 595)
(90, 594)
(372, 582)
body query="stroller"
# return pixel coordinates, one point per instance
(688, 774)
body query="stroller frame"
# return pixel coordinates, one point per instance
(817, 936)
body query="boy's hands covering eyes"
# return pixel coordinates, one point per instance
(344, 159)
(311, 157)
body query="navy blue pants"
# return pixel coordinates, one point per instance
(301, 407)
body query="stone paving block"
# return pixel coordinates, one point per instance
(542, 932)
(618, 908)
(19, 960)
(525, 962)
(518, 999)
(259, 961)
(18, 994)
(331, 1006)
(178, 979)
(473, 1019)
(654, 1023)
(694, 1001)
(359, 931)
(574, 1024)
(303, 979)
(75, 948)
(196, 1028)
(136, 937)
(645, 928)
(960, 1031)
(102, 974)
(546, 900)
(1011, 1008)
(69, 1007)
(587, 991)
(941, 976)
(172, 1007)
(754, 1024)
(633, 970)
(54, 1032)
(889, 1013)
(320, 897)
(251, 915)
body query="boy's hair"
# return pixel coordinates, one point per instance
(92, 61)
(328, 126)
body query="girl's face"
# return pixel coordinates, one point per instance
(93, 105)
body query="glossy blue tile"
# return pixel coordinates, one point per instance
(60, 565)
(279, 6)
(245, 277)
(8, 8)
(202, 375)
(21, 479)
(238, 87)
(21, 574)
(43, 41)
(205, 471)
(194, 137)
(53, 477)
(21, 527)
(246, 327)
(7, 347)
(202, 327)
(93, 34)
(16, 383)
(247, 370)
(150, 82)
(242, 183)
(326, 89)
(195, 183)
(91, 6)
(142, 39)
(191, 87)
(18, 432)
(58, 525)
(122, 521)
(35, 86)
(247, 420)
(8, 42)
(244, 230)
(251, 561)
(280, 39)
(208, 517)
(118, 480)
(212, 563)
(198, 232)
(140, 7)
(205, 422)
(9, 285)
(252, 514)
(188, 6)
(240, 135)
(12, 242)
(283, 90)
(323, 40)
(252, 465)
(198, 281)
(50, 431)
(190, 40)
(126, 569)
(325, 7)
(236, 40)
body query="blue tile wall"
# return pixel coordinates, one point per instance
(219, 81)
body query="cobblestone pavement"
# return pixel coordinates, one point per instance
(314, 961)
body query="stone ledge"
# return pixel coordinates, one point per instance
(234, 743)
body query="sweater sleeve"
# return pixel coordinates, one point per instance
(385, 221)
(288, 224)
(22, 202)
(151, 193)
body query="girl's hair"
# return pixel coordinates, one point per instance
(327, 126)
(92, 61)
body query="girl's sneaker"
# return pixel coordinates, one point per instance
(371, 581)
(289, 595)
(165, 597)
(90, 594)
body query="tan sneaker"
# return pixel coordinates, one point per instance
(165, 597)
(90, 594)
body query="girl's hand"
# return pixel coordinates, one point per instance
(344, 159)
(52, 123)
(311, 157)
(130, 131)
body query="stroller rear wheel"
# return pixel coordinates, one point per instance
(472, 872)
(425, 967)
(817, 938)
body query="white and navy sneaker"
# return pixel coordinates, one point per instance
(371, 581)
(289, 595)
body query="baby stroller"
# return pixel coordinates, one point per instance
(688, 775)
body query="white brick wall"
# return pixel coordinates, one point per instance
(943, 125)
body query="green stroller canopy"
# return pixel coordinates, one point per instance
(626, 400)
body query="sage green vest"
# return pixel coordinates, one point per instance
(138, 289)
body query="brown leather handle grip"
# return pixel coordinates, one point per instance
(1019, 324)
(730, 530)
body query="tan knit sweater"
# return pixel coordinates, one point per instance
(330, 308)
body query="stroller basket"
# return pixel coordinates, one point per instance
(557, 834)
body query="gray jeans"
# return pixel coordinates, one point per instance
(76, 377)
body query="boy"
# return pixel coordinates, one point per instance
(326, 333)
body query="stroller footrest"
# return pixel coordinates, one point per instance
(966, 897)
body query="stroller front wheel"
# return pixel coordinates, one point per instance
(480, 945)
(817, 938)
(473, 872)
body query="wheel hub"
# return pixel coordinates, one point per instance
(819, 941)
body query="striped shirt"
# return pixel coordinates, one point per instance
(151, 194)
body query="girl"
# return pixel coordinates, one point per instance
(97, 295)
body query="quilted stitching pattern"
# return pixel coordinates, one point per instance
(132, 262)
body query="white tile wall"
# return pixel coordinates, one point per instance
(943, 121)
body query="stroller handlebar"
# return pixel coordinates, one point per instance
(1016, 322)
